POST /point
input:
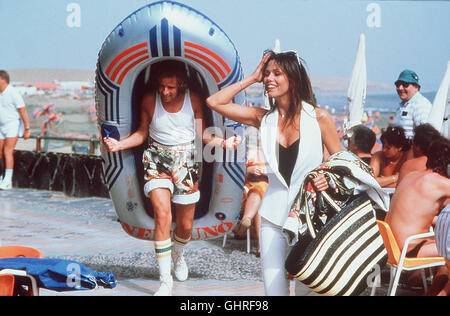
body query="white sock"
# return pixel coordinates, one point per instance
(8, 175)
(163, 251)
(179, 243)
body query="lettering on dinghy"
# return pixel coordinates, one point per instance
(202, 232)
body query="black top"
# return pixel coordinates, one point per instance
(287, 159)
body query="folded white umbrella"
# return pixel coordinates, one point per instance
(446, 125)
(440, 112)
(356, 93)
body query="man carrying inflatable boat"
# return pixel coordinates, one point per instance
(169, 121)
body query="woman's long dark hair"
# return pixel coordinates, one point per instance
(300, 87)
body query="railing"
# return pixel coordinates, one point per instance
(93, 142)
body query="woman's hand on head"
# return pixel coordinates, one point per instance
(258, 75)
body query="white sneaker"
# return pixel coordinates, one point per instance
(5, 185)
(179, 265)
(165, 288)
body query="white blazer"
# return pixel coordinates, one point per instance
(278, 198)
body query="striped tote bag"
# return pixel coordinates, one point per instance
(338, 259)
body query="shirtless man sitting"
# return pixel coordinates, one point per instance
(424, 135)
(419, 198)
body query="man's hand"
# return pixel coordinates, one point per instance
(256, 170)
(232, 142)
(26, 134)
(111, 144)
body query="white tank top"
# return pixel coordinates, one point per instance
(173, 128)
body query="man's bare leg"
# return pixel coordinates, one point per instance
(2, 158)
(163, 244)
(428, 249)
(257, 223)
(440, 284)
(8, 161)
(184, 221)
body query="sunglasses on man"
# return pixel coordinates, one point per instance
(402, 83)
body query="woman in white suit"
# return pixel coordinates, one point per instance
(293, 132)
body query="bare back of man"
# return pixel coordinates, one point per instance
(415, 164)
(417, 200)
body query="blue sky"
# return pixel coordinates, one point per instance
(406, 34)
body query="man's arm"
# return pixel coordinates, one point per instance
(200, 126)
(141, 134)
(26, 122)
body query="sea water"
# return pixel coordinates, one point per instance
(336, 102)
(384, 102)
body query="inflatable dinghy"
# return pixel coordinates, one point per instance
(158, 32)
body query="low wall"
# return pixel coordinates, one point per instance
(74, 174)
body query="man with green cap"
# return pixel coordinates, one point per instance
(414, 108)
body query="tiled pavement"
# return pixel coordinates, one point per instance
(32, 218)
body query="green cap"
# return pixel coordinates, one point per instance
(408, 76)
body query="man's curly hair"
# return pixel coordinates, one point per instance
(438, 156)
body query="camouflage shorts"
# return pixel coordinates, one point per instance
(173, 168)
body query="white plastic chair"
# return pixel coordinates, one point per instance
(398, 261)
(248, 241)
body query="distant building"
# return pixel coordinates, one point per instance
(74, 88)
(25, 90)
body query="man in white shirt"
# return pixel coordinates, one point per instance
(12, 111)
(414, 108)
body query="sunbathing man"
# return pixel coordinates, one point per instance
(419, 198)
(424, 134)
(386, 163)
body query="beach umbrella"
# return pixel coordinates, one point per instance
(439, 115)
(356, 94)
(446, 124)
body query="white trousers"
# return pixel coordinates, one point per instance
(274, 250)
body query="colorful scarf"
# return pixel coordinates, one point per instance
(347, 176)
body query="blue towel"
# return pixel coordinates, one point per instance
(60, 275)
